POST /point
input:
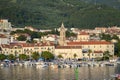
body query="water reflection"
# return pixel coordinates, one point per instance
(32, 73)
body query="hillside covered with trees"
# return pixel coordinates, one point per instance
(51, 13)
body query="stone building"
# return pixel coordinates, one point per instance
(62, 35)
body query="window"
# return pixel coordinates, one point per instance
(88, 55)
(15, 47)
(100, 54)
(36, 48)
(83, 54)
(92, 54)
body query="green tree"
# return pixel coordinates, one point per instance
(35, 35)
(21, 38)
(115, 37)
(89, 52)
(117, 49)
(106, 37)
(70, 34)
(75, 55)
(35, 55)
(11, 57)
(23, 56)
(106, 55)
(118, 54)
(60, 56)
(2, 57)
(47, 55)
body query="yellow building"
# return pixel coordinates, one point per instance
(97, 48)
(68, 52)
(26, 48)
(11, 49)
(83, 36)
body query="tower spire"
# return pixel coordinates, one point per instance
(62, 25)
(62, 35)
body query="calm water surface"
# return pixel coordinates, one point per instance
(32, 73)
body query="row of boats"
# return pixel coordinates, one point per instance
(42, 64)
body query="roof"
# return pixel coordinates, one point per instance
(47, 44)
(26, 44)
(20, 45)
(98, 51)
(68, 47)
(83, 33)
(3, 36)
(1, 21)
(5, 46)
(89, 43)
(10, 46)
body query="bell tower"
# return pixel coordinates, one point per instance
(62, 35)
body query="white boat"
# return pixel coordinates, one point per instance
(118, 62)
(101, 64)
(53, 66)
(2, 65)
(27, 63)
(20, 64)
(116, 76)
(67, 65)
(84, 64)
(73, 66)
(111, 64)
(41, 65)
(90, 64)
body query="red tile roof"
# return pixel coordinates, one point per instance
(47, 44)
(83, 33)
(5, 46)
(98, 51)
(10, 46)
(3, 36)
(68, 47)
(1, 21)
(88, 43)
(26, 44)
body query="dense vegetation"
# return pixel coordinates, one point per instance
(50, 13)
(112, 3)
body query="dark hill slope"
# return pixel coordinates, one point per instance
(50, 13)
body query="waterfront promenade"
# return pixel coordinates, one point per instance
(59, 71)
(46, 73)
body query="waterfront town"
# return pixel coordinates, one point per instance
(86, 44)
(70, 48)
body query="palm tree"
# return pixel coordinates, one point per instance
(60, 56)
(75, 55)
(106, 55)
(89, 52)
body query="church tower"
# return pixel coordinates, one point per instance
(62, 35)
